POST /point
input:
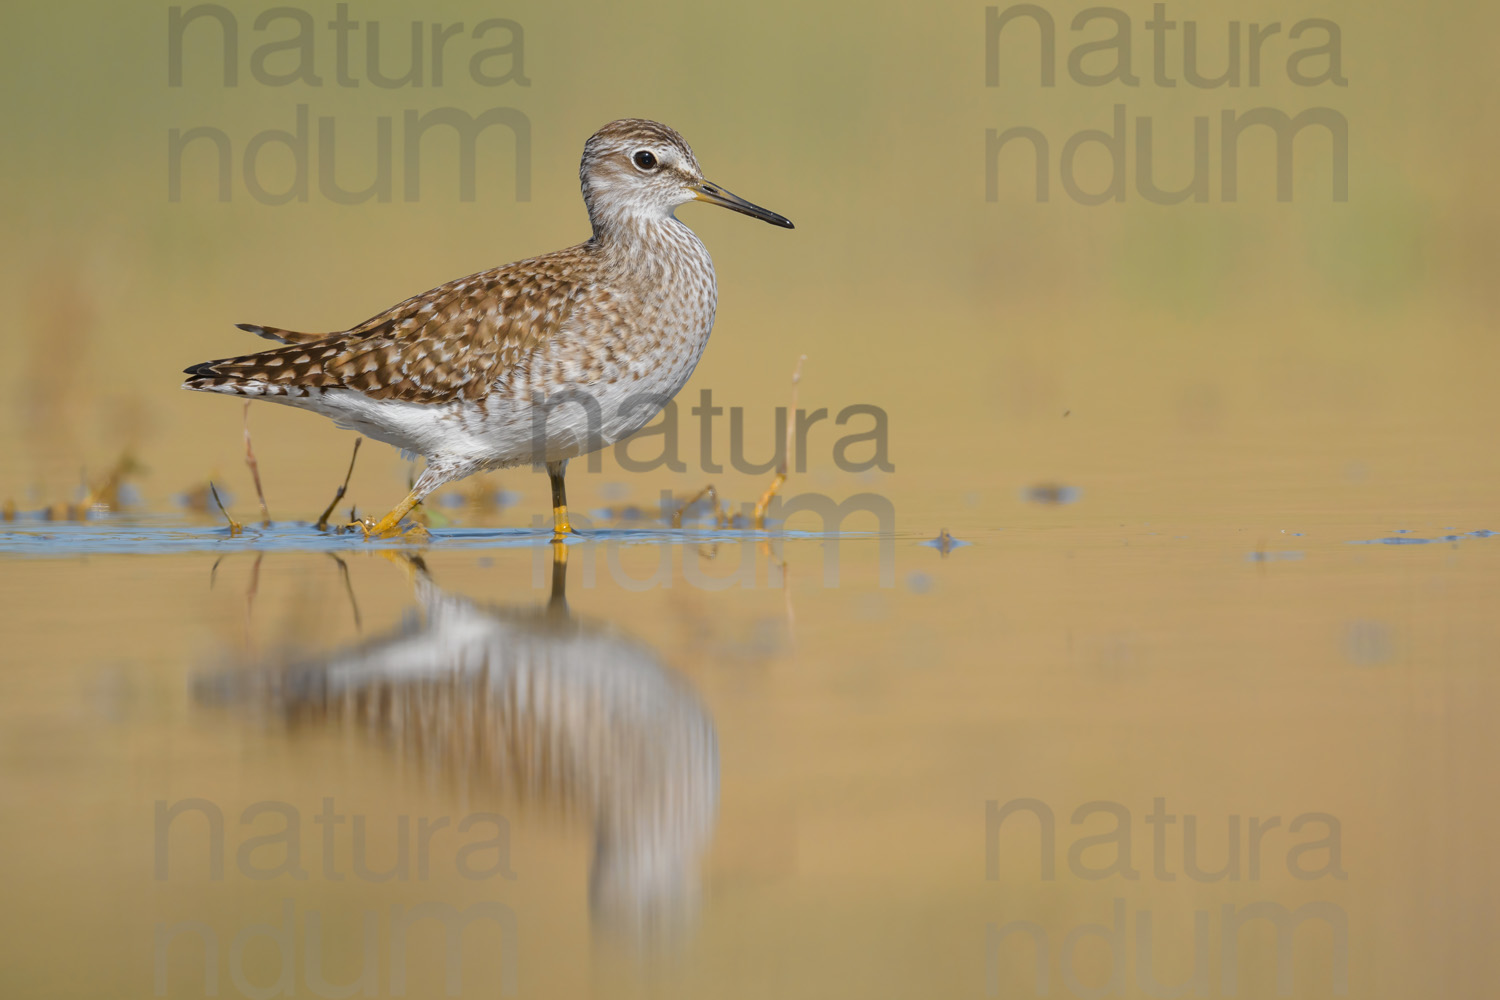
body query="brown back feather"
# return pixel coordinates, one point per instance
(451, 342)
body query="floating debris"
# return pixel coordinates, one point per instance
(65, 512)
(1400, 539)
(627, 512)
(1051, 494)
(944, 542)
(1282, 555)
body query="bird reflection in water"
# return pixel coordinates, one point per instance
(542, 706)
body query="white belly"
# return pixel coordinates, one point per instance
(509, 429)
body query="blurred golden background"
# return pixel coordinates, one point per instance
(1197, 341)
(1235, 389)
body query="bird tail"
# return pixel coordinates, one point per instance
(284, 371)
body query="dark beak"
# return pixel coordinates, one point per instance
(715, 195)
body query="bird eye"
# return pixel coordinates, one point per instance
(644, 159)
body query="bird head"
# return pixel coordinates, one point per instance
(636, 171)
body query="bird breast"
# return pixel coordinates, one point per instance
(629, 344)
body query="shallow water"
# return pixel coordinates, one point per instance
(162, 535)
(1167, 619)
(687, 762)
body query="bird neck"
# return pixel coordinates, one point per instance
(638, 238)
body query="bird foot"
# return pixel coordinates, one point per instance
(373, 530)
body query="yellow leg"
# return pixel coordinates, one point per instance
(558, 603)
(560, 526)
(386, 526)
(413, 565)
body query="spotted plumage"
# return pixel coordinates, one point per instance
(453, 342)
(534, 362)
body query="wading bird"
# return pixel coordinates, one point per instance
(534, 362)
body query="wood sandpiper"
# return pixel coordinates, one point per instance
(534, 362)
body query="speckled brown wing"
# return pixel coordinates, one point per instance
(452, 342)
